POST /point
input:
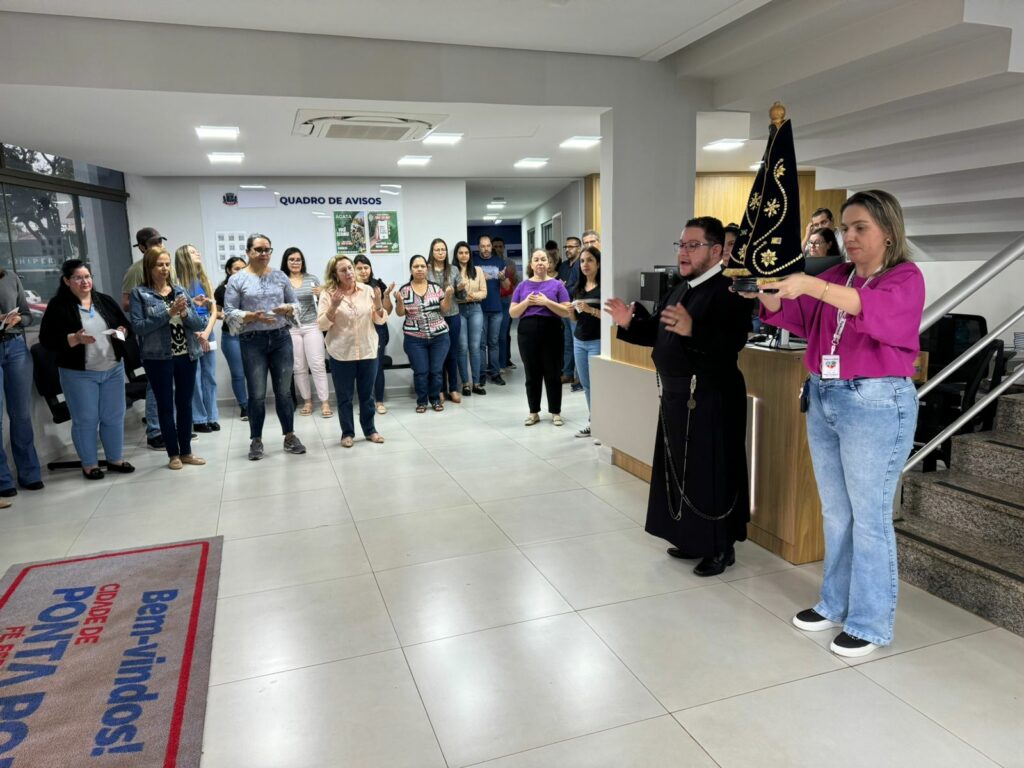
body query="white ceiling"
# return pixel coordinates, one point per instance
(647, 29)
(522, 196)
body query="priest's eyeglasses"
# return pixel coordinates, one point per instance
(689, 246)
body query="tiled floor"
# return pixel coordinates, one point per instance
(475, 592)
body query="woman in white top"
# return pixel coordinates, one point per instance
(307, 341)
(348, 312)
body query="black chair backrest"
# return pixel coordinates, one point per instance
(47, 381)
(950, 337)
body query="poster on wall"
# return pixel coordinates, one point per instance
(374, 232)
(229, 243)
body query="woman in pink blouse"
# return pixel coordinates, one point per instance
(861, 321)
(423, 304)
(348, 311)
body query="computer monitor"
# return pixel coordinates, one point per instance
(815, 266)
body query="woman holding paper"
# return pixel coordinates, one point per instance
(86, 329)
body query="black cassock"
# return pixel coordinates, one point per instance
(715, 483)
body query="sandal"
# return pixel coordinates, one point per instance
(437, 407)
(556, 419)
(93, 474)
(376, 437)
(421, 409)
(325, 410)
(306, 409)
(346, 441)
(532, 419)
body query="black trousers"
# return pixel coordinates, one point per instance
(540, 347)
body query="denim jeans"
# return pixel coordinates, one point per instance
(383, 337)
(264, 351)
(204, 399)
(505, 334)
(860, 433)
(469, 342)
(232, 350)
(450, 372)
(96, 401)
(361, 375)
(152, 418)
(426, 356)
(173, 382)
(568, 362)
(582, 352)
(490, 347)
(16, 378)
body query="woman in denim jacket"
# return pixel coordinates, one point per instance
(166, 322)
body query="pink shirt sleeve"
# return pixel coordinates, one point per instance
(891, 310)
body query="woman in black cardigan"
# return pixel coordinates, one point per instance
(87, 330)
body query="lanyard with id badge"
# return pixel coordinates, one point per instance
(830, 362)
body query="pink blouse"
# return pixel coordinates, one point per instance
(351, 336)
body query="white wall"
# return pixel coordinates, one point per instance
(995, 301)
(569, 203)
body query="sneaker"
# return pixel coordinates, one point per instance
(36, 486)
(292, 444)
(585, 432)
(157, 443)
(498, 380)
(846, 645)
(812, 621)
(576, 388)
(255, 449)
(244, 414)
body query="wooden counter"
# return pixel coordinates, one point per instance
(785, 509)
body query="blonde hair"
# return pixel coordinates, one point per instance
(149, 261)
(331, 273)
(189, 272)
(886, 211)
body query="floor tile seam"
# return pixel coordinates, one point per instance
(282, 533)
(571, 738)
(490, 551)
(74, 541)
(503, 625)
(291, 585)
(301, 667)
(925, 715)
(574, 536)
(759, 689)
(696, 741)
(646, 597)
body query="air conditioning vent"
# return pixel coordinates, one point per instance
(364, 126)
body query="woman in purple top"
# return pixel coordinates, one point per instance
(540, 304)
(861, 321)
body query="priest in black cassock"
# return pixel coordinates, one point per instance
(699, 498)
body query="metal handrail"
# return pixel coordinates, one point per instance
(972, 283)
(965, 417)
(948, 371)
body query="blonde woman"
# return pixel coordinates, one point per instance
(188, 264)
(349, 311)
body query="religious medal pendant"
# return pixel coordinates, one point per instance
(692, 402)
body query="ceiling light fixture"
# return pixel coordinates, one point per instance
(580, 142)
(226, 157)
(724, 145)
(755, 167)
(490, 216)
(415, 160)
(443, 138)
(228, 132)
(496, 205)
(497, 221)
(252, 186)
(531, 162)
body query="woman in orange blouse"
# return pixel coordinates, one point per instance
(348, 315)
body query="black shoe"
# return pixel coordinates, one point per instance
(511, 366)
(244, 414)
(576, 388)
(498, 380)
(712, 566)
(680, 554)
(201, 428)
(467, 391)
(157, 443)
(810, 620)
(479, 390)
(214, 426)
(36, 486)
(93, 474)
(124, 468)
(255, 449)
(847, 645)
(8, 492)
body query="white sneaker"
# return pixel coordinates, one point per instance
(851, 647)
(812, 621)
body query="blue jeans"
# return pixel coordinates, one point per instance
(860, 433)
(16, 377)
(469, 342)
(383, 337)
(96, 401)
(152, 418)
(361, 375)
(232, 350)
(426, 356)
(450, 372)
(173, 382)
(264, 351)
(583, 351)
(204, 399)
(505, 335)
(568, 366)
(489, 346)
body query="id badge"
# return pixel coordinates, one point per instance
(830, 366)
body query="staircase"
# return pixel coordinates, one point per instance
(960, 534)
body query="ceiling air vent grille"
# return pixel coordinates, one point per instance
(364, 126)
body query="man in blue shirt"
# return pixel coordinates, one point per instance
(493, 268)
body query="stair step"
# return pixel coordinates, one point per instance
(980, 577)
(996, 455)
(1010, 414)
(990, 510)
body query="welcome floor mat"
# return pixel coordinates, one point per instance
(105, 658)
